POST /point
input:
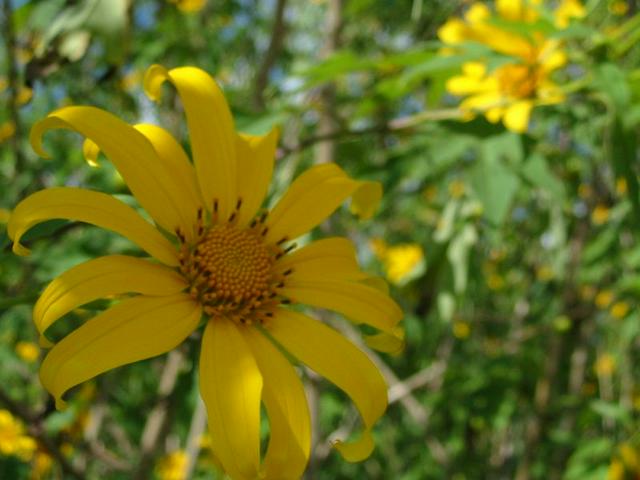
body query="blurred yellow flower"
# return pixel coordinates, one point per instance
(585, 191)
(621, 186)
(173, 466)
(603, 299)
(509, 92)
(618, 7)
(24, 95)
(28, 351)
(13, 439)
(605, 364)
(461, 329)
(619, 310)
(625, 463)
(189, 6)
(7, 130)
(41, 465)
(600, 215)
(399, 260)
(495, 281)
(568, 10)
(544, 273)
(457, 188)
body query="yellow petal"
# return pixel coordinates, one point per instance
(131, 153)
(516, 116)
(92, 207)
(312, 197)
(334, 357)
(359, 303)
(135, 329)
(286, 404)
(477, 13)
(256, 155)
(100, 278)
(326, 258)
(483, 101)
(176, 164)
(509, 9)
(231, 387)
(392, 343)
(90, 151)
(453, 31)
(210, 130)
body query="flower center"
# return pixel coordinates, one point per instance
(230, 271)
(518, 81)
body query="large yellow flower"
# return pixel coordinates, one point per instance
(508, 92)
(215, 256)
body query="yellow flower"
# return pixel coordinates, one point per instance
(604, 298)
(621, 186)
(625, 464)
(605, 364)
(619, 310)
(456, 189)
(461, 329)
(189, 6)
(568, 10)
(41, 465)
(28, 351)
(173, 466)
(618, 7)
(24, 95)
(544, 273)
(216, 257)
(399, 260)
(13, 439)
(509, 92)
(585, 191)
(495, 281)
(7, 130)
(600, 215)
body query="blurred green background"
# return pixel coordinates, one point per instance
(514, 255)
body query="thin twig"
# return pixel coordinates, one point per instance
(275, 45)
(157, 422)
(392, 126)
(197, 428)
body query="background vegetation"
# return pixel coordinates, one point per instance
(515, 256)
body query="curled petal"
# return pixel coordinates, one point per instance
(346, 366)
(92, 207)
(135, 329)
(131, 153)
(213, 139)
(314, 195)
(100, 278)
